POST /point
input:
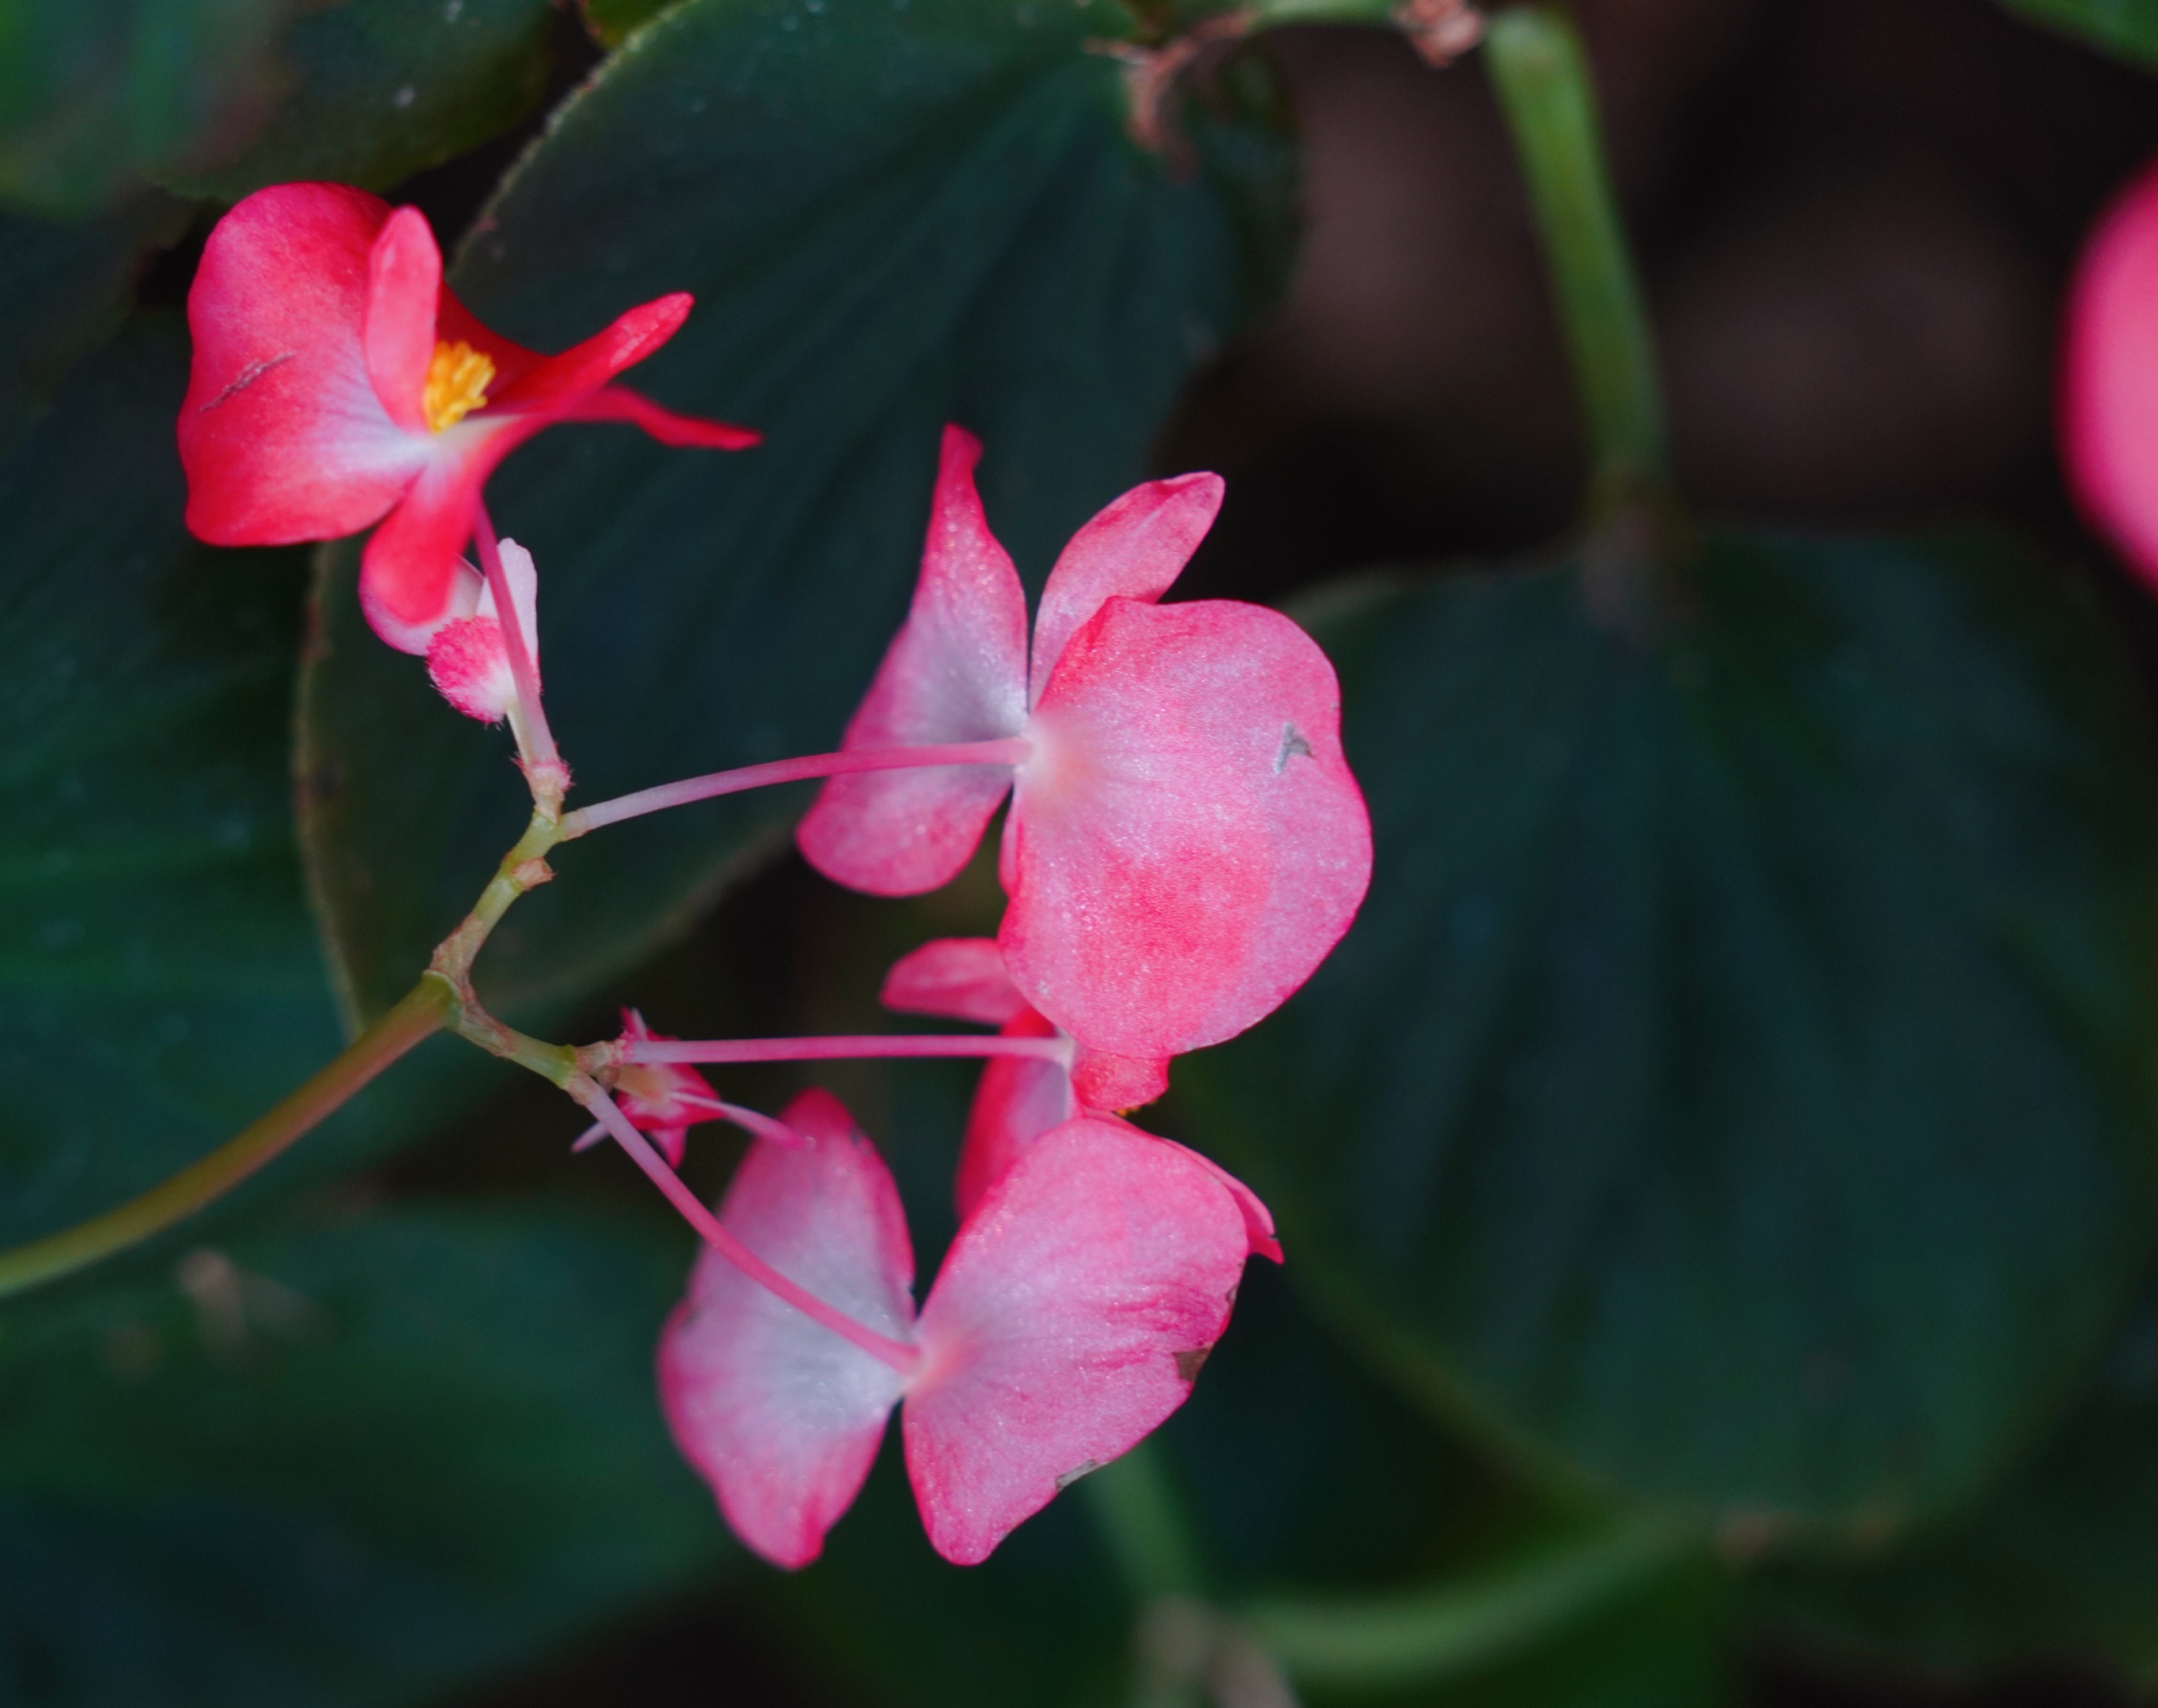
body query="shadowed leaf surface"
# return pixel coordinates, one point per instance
(346, 1463)
(377, 90)
(1731, 1085)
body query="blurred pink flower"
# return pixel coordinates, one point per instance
(2109, 386)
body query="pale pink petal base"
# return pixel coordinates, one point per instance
(1069, 1318)
(409, 571)
(1190, 843)
(780, 1415)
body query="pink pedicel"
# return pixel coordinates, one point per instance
(338, 383)
(1019, 1098)
(1071, 1316)
(1184, 844)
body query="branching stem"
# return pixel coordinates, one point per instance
(425, 1009)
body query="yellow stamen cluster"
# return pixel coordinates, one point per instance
(457, 380)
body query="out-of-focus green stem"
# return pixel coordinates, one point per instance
(424, 1010)
(1266, 13)
(1424, 1637)
(1541, 76)
(1141, 1518)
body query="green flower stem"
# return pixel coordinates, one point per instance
(424, 1010)
(1142, 1519)
(1542, 81)
(1425, 1637)
(1266, 13)
(442, 1000)
(523, 868)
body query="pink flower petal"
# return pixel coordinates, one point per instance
(1018, 1098)
(572, 386)
(408, 573)
(405, 279)
(586, 367)
(1190, 843)
(957, 672)
(457, 324)
(469, 665)
(1114, 1083)
(2109, 376)
(281, 434)
(1258, 1220)
(958, 978)
(1134, 549)
(468, 662)
(780, 1415)
(618, 402)
(1072, 1314)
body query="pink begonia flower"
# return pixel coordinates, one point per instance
(1070, 1317)
(1020, 1097)
(337, 382)
(2109, 384)
(665, 1099)
(1186, 842)
(468, 660)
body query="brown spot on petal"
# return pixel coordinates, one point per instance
(1190, 1361)
(1292, 746)
(1076, 1473)
(248, 375)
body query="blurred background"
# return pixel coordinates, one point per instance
(1853, 219)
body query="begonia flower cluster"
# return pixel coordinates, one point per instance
(1182, 843)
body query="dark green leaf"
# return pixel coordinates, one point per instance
(93, 92)
(1042, 1623)
(891, 217)
(2058, 1560)
(1662, 1647)
(611, 21)
(160, 982)
(1302, 1471)
(346, 1465)
(380, 89)
(64, 289)
(1734, 1083)
(2127, 28)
